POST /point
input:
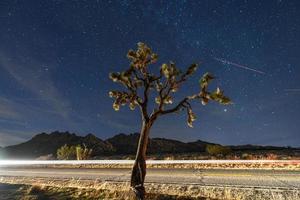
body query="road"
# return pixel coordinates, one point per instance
(216, 177)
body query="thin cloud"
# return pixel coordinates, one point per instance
(38, 82)
(7, 109)
(11, 137)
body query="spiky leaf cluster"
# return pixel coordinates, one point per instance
(142, 57)
(217, 95)
(191, 117)
(139, 81)
(123, 98)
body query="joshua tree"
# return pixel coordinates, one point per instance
(139, 81)
(83, 153)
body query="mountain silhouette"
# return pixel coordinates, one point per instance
(45, 144)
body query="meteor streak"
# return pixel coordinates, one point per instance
(238, 65)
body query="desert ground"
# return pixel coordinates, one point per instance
(245, 181)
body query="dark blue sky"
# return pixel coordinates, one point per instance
(55, 57)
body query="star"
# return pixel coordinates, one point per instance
(64, 58)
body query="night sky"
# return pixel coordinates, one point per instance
(55, 57)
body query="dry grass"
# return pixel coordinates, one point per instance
(37, 192)
(85, 189)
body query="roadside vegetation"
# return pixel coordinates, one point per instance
(74, 152)
(212, 152)
(85, 190)
(38, 192)
(217, 150)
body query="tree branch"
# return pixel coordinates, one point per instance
(176, 108)
(137, 76)
(180, 104)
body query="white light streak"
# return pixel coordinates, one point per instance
(130, 162)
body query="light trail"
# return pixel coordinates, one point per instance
(238, 65)
(129, 162)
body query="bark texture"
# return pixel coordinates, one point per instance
(139, 167)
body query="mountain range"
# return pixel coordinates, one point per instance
(121, 144)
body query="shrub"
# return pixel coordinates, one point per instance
(66, 152)
(74, 152)
(217, 150)
(83, 153)
(246, 156)
(271, 156)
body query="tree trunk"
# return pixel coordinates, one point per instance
(139, 167)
